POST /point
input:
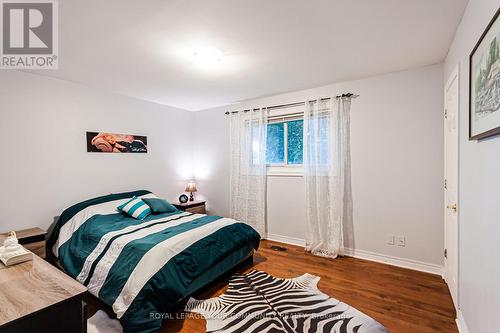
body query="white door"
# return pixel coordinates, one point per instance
(451, 184)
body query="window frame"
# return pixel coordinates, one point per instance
(284, 169)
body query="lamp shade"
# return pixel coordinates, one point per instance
(191, 187)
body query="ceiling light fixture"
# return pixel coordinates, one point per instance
(206, 57)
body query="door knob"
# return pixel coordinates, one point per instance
(452, 207)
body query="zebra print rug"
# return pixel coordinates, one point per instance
(259, 302)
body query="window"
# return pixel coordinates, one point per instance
(275, 145)
(284, 144)
(295, 139)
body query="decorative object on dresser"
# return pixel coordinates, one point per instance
(39, 297)
(32, 239)
(195, 207)
(12, 252)
(191, 187)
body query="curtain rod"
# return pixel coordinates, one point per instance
(289, 105)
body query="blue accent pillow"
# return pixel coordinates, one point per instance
(136, 208)
(159, 206)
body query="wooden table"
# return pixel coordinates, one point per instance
(37, 297)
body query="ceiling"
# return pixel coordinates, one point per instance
(143, 48)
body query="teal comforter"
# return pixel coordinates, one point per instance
(143, 269)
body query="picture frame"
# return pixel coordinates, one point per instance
(484, 83)
(105, 142)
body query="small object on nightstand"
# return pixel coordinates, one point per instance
(195, 207)
(183, 198)
(191, 187)
(32, 239)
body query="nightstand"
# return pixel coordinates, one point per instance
(32, 239)
(195, 207)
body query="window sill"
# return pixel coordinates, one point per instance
(285, 171)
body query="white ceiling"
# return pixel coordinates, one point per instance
(141, 48)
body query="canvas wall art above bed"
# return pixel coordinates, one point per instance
(100, 142)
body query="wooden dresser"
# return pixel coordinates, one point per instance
(195, 207)
(37, 297)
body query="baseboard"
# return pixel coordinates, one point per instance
(462, 327)
(286, 239)
(395, 261)
(367, 255)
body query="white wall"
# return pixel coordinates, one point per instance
(479, 178)
(44, 165)
(397, 163)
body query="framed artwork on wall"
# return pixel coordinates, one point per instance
(484, 85)
(100, 142)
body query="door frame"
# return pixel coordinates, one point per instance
(455, 74)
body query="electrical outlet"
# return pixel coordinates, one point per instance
(401, 241)
(390, 239)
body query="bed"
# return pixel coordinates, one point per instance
(144, 269)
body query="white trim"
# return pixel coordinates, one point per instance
(285, 170)
(286, 239)
(462, 327)
(395, 261)
(297, 110)
(371, 256)
(455, 75)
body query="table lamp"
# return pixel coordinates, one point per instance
(191, 187)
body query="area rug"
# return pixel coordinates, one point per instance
(259, 302)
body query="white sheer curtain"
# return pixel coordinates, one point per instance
(327, 171)
(248, 168)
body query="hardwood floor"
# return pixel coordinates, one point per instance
(402, 300)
